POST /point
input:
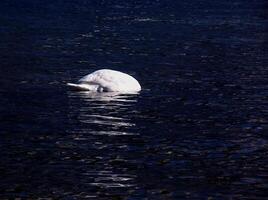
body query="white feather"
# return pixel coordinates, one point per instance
(106, 80)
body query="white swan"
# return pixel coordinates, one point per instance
(106, 80)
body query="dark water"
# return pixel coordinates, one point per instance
(197, 130)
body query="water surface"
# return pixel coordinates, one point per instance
(197, 130)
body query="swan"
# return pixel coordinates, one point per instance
(106, 80)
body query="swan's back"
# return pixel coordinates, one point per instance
(111, 81)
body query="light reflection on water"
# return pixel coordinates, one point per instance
(106, 110)
(102, 115)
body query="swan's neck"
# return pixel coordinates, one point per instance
(84, 86)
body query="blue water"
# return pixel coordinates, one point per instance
(197, 130)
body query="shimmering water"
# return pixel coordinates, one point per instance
(197, 130)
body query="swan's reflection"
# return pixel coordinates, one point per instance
(111, 112)
(92, 117)
(105, 96)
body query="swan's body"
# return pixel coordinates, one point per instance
(106, 80)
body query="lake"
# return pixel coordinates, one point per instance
(197, 130)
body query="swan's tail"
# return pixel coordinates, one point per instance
(83, 87)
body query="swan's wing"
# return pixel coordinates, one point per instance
(103, 79)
